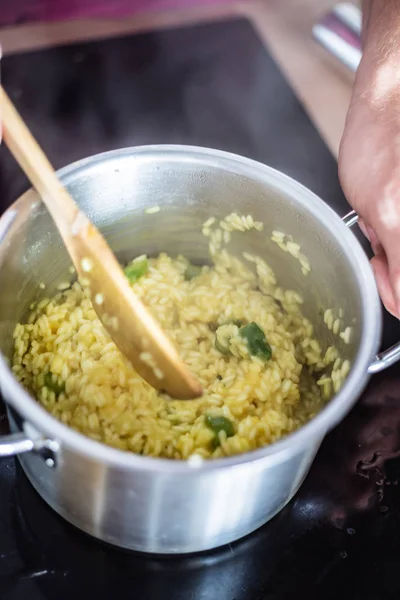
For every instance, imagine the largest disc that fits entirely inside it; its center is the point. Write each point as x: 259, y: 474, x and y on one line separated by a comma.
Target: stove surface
x: 211, y: 85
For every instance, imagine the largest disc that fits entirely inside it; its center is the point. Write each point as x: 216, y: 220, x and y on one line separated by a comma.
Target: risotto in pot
x: 263, y: 373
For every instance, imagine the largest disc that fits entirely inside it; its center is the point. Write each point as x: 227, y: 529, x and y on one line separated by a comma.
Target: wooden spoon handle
x: 130, y: 324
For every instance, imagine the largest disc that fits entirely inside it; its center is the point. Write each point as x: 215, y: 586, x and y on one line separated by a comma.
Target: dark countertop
x: 212, y: 85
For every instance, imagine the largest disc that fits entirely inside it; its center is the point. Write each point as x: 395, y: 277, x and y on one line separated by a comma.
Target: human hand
x: 369, y: 160
x: 369, y: 169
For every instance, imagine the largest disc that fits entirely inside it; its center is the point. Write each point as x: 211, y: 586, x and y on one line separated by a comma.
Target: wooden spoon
x: 130, y: 325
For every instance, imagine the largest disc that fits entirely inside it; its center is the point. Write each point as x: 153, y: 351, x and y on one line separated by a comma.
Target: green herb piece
x: 53, y: 385
x: 136, y: 269
x: 256, y: 341
x: 192, y: 271
x: 217, y: 424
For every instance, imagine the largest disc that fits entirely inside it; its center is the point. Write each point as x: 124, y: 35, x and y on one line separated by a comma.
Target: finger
x: 381, y: 271
x: 380, y: 267
x: 386, y: 224
x: 371, y: 236
x: 363, y: 226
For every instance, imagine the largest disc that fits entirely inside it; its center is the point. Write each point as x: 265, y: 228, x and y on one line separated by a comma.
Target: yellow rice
x: 101, y: 395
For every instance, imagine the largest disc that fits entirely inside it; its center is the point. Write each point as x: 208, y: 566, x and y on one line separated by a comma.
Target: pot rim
x: 314, y: 430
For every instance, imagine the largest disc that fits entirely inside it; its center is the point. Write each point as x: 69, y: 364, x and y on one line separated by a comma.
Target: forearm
x: 381, y: 26
x: 378, y: 77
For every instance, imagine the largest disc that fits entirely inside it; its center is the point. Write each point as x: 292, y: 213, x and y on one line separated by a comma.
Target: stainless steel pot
x: 158, y: 505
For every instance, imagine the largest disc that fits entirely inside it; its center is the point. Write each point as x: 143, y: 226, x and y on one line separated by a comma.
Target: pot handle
x: 29, y: 441
x: 15, y: 443
x: 389, y: 357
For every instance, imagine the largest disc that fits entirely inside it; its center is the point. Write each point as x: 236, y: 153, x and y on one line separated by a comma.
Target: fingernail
x: 364, y: 229
x: 374, y: 241
x: 397, y: 294
x: 371, y: 237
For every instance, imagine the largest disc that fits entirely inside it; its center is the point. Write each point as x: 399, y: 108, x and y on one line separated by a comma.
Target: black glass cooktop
x: 211, y: 85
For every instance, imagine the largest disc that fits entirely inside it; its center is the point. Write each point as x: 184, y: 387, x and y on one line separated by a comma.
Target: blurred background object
x: 23, y: 11
x: 340, y: 33
x: 284, y: 26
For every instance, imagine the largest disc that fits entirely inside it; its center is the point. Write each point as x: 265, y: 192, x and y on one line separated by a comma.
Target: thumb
x: 387, y: 262
x: 380, y: 267
x: 381, y: 271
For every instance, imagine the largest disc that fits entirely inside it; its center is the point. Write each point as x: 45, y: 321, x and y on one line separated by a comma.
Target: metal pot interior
x: 115, y: 189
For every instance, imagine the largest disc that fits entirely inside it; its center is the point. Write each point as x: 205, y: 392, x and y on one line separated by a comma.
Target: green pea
x: 224, y: 349
x: 52, y: 384
x: 192, y: 271
x: 223, y: 338
x: 136, y: 269
x: 217, y: 424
